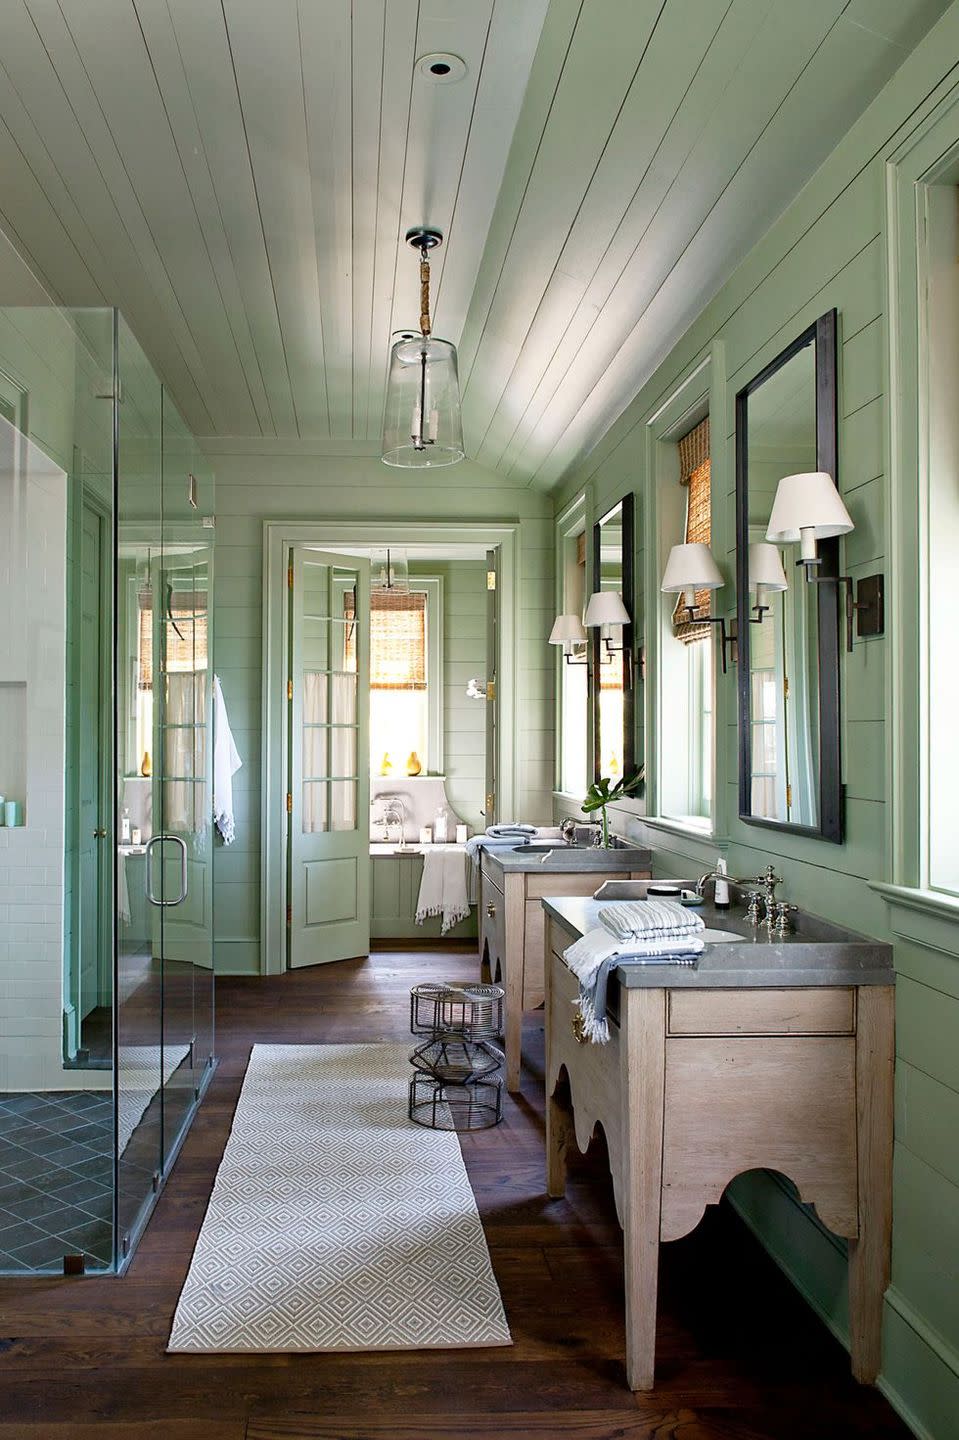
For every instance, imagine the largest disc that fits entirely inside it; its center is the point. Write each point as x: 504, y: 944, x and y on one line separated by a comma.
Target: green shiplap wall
x: 252, y: 488
x: 829, y: 249
x: 464, y: 655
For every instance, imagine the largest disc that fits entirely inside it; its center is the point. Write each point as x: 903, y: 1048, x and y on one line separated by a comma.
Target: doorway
x: 306, y: 919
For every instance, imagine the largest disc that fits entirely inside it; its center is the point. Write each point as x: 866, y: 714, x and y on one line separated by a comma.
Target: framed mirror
x: 788, y: 632
x: 612, y: 643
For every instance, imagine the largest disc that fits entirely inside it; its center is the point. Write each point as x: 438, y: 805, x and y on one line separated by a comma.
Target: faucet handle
x: 752, y: 907
x: 782, y: 925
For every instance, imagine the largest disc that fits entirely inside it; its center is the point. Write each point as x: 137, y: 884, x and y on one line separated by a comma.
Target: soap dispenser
x: 721, y: 898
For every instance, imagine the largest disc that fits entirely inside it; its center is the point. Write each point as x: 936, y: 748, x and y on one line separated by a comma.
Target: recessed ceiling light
x: 441, y: 69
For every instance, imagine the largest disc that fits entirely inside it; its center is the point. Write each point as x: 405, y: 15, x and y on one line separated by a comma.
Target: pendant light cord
x: 425, y: 326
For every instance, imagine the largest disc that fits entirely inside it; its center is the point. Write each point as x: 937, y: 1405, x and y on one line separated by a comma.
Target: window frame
x: 570, y: 525
x: 929, y: 157
x: 700, y: 390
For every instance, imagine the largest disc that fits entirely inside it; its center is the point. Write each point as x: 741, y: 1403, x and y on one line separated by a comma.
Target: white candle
x: 426, y: 835
x: 461, y: 834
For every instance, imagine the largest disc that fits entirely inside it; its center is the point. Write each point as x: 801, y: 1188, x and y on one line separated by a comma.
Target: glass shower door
x: 185, y: 794
x: 139, y: 602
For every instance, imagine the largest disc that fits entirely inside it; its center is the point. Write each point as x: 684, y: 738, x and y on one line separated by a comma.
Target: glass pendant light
x: 422, y: 425
x: 389, y: 571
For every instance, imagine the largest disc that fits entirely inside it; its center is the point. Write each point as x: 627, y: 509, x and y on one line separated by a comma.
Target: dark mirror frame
x: 626, y: 505
x: 830, y: 827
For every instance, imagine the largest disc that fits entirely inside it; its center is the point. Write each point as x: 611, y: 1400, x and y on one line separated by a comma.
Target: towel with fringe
x: 443, y: 886
x: 646, y: 932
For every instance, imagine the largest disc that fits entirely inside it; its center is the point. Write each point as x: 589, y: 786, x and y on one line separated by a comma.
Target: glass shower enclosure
x: 106, y: 845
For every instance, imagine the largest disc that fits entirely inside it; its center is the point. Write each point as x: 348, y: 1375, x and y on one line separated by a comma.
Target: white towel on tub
x: 443, y: 886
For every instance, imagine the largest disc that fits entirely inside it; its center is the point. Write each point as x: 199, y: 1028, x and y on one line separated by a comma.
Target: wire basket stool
x: 474, y: 1012
x: 456, y: 1082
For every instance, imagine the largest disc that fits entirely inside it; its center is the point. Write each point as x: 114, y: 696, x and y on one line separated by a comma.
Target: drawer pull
x: 491, y: 909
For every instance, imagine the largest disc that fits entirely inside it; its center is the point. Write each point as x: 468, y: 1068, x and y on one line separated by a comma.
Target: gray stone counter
x: 580, y: 858
x: 817, y: 954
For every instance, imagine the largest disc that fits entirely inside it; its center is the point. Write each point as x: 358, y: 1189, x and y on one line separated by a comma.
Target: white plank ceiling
x: 238, y: 175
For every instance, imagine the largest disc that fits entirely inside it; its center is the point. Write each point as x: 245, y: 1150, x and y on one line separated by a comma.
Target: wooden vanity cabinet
x: 697, y: 1086
x: 512, y: 933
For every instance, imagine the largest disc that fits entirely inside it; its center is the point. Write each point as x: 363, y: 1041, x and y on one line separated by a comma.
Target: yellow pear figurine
x: 386, y: 768
x: 146, y: 765
x: 413, y: 766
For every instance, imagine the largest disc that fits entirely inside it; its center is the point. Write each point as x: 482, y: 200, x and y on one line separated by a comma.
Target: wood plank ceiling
x: 238, y: 176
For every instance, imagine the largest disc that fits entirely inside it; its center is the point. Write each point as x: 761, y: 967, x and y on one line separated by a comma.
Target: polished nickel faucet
x: 767, y: 882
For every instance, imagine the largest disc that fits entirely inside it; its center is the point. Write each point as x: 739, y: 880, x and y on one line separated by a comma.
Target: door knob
x: 99, y: 834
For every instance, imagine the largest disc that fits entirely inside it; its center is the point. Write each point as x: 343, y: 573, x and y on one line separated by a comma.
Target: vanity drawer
x: 762, y: 1012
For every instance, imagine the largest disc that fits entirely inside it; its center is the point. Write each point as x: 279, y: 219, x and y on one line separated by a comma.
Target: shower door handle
x: 158, y: 840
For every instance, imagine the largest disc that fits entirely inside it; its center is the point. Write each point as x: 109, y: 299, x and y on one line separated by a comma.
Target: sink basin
x: 541, y: 848
x: 716, y: 937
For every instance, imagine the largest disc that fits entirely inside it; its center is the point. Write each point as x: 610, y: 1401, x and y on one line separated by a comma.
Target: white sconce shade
x: 567, y: 630
x: 691, y: 568
x: 606, y: 608
x: 422, y: 424
x: 766, y: 571
x: 807, y: 508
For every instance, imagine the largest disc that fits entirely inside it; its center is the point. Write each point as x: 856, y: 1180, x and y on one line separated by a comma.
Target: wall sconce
x: 569, y: 632
x: 766, y: 575
x: 809, y: 508
x: 606, y: 607
x: 691, y: 568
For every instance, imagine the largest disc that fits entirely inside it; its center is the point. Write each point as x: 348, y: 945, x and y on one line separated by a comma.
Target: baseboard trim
x: 930, y: 1337
x: 938, y: 1349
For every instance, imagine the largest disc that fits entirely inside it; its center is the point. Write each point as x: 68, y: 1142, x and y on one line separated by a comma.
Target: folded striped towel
x: 637, y: 919
x: 599, y: 951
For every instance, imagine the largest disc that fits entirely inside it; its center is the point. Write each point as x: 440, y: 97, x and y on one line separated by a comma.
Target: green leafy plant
x: 599, y: 795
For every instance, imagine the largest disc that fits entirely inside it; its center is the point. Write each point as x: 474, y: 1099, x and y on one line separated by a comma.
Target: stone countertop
x: 578, y: 858
x: 818, y: 953
x: 380, y: 850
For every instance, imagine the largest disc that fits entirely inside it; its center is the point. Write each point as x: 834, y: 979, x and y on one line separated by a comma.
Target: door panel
x: 328, y: 805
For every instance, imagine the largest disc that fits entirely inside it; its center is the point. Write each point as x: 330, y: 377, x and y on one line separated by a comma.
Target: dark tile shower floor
x: 56, y: 1179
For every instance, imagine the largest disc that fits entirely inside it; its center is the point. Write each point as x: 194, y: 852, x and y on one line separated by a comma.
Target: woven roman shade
x: 185, y: 640
x: 397, y: 640
x: 694, y: 474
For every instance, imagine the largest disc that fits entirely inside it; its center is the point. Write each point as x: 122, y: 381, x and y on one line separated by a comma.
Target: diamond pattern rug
x: 335, y: 1223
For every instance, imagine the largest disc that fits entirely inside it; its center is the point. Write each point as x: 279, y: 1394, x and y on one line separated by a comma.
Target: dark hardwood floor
x: 740, y: 1355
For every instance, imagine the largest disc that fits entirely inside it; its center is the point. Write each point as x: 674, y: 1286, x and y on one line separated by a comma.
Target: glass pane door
x: 139, y: 601
x: 328, y: 806
x: 184, y: 748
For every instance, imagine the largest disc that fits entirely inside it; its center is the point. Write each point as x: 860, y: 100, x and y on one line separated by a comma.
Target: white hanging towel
x: 226, y: 762
x: 443, y: 886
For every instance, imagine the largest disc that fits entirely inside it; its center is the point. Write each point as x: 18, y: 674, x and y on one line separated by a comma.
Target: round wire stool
x: 456, y: 1082
x: 456, y: 1061
x: 444, y: 1105
x: 474, y: 1012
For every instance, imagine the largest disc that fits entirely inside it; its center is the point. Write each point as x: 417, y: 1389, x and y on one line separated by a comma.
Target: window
x: 573, y: 694
x: 400, y: 680
x: 686, y: 679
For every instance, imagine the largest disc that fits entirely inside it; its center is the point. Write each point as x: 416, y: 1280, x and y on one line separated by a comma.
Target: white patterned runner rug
x: 336, y: 1223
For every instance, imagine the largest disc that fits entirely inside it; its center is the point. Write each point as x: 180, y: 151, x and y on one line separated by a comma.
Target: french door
x: 328, y: 794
